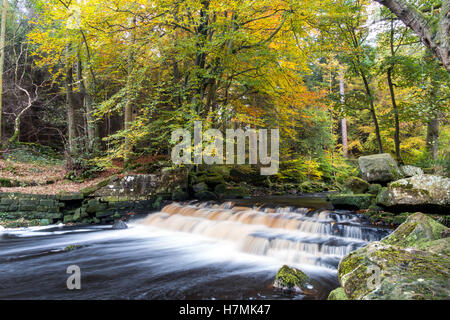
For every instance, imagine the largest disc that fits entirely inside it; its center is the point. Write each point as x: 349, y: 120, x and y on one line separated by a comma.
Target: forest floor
x: 32, y: 178
x: 36, y: 169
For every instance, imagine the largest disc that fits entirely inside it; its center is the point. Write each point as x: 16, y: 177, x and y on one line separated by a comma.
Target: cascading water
x: 186, y: 251
x: 291, y: 235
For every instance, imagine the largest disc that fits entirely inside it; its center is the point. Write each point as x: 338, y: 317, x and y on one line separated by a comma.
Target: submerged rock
x: 338, y: 294
x: 379, y: 168
x: 411, y: 171
x: 411, y: 263
x: 427, y: 193
x: 291, y: 279
x: 356, y: 185
x: 119, y: 225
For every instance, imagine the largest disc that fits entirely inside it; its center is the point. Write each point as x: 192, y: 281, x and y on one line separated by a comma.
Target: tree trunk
x: 433, y: 35
x: 433, y: 137
x: 2, y: 60
x: 396, y: 115
x: 87, y: 103
x: 344, y: 120
x: 392, y: 93
x: 128, y: 109
x: 372, y: 111
x: 70, y: 103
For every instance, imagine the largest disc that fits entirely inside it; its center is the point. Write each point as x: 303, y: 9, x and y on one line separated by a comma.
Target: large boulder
x: 411, y: 263
x: 379, y: 168
x: 411, y: 171
x: 426, y: 193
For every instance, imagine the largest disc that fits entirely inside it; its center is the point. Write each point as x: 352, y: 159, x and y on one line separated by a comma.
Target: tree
x: 2, y: 58
x: 433, y: 29
x: 348, y: 30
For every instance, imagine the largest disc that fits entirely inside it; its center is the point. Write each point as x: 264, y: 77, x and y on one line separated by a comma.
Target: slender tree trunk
x: 372, y: 111
x: 433, y: 137
x: 392, y: 92
x: 128, y: 109
x: 344, y: 120
x: 87, y: 103
x: 70, y: 103
x: 2, y: 60
x: 396, y: 115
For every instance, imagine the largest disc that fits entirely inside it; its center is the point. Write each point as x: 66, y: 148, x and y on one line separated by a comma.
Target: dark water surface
x: 189, y: 251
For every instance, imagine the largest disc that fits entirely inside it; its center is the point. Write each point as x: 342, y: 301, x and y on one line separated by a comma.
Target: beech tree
x: 431, y: 24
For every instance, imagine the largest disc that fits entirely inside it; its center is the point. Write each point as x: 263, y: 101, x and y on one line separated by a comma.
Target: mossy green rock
x: 426, y: 193
x: 374, y: 189
x: 411, y: 263
x: 351, y: 201
x: 356, y: 185
x: 179, y: 195
x: 338, y: 294
x: 379, y: 168
x: 224, y: 192
x: 291, y: 279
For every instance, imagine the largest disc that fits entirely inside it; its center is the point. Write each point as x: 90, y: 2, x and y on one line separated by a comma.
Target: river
x: 187, y: 251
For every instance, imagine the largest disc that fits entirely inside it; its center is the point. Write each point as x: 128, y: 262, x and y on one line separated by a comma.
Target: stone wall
x: 110, y: 200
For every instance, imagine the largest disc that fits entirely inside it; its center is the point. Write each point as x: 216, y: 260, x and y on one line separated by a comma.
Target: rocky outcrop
x: 291, y: 279
x: 379, y: 168
x: 427, y: 193
x: 145, y: 185
x: 411, y: 263
x: 411, y: 171
x: 111, y: 199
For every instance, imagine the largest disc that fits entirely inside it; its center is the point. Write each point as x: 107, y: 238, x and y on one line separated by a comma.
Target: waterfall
x: 288, y: 234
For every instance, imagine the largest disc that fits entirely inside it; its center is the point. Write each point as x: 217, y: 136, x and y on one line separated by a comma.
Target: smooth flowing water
x: 186, y: 251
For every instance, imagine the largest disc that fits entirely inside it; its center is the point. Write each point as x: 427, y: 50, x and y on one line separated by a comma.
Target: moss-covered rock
x: 356, y: 185
x: 411, y: 263
x: 90, y: 190
x: 338, y: 294
x: 379, y: 168
x: 225, y: 192
x: 411, y: 171
x: 179, y: 195
x: 426, y: 193
x: 351, y: 201
x: 374, y: 189
x: 415, y: 231
x: 291, y: 279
